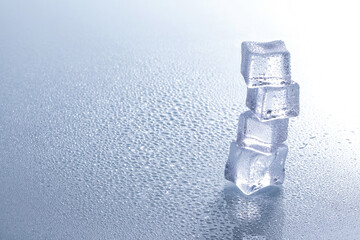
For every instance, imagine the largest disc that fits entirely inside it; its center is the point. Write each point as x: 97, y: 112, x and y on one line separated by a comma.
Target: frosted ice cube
x: 274, y: 102
x: 265, y: 64
x: 261, y: 135
x: 252, y: 171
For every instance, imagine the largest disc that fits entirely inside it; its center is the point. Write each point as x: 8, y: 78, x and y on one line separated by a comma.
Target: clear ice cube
x: 252, y: 171
x: 274, y: 102
x: 259, y: 135
x: 265, y: 64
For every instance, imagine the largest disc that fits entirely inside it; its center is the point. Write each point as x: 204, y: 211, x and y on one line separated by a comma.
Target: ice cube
x: 274, y: 102
x: 265, y: 64
x: 259, y: 135
x: 252, y: 171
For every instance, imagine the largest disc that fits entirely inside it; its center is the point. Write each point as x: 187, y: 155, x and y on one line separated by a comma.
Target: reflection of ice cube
x: 261, y: 135
x: 274, y: 102
x: 265, y: 64
x: 252, y: 171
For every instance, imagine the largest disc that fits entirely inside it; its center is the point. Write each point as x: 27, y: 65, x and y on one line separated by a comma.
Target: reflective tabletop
x: 116, y: 120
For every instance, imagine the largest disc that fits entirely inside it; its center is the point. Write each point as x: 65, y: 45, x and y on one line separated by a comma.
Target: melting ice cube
x: 252, y: 171
x: 265, y: 64
x: 274, y: 102
x: 261, y: 135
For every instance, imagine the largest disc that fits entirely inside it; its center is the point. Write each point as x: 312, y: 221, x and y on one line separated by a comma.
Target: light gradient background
x: 116, y: 120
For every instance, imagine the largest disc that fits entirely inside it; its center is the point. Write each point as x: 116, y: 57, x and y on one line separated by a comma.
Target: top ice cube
x: 265, y: 64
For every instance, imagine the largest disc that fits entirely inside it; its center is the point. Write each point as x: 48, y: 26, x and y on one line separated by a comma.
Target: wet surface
x: 115, y: 123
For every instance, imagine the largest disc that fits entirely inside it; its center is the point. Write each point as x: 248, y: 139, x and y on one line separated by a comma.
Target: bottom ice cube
x: 252, y: 171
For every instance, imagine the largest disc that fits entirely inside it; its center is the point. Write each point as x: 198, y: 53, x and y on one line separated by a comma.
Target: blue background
x: 116, y: 120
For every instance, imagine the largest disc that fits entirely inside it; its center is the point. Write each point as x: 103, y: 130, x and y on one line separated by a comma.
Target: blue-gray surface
x: 116, y: 119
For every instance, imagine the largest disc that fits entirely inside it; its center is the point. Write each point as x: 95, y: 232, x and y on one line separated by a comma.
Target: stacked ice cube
x: 257, y: 158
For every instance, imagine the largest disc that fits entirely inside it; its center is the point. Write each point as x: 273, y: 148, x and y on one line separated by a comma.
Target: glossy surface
x: 115, y: 121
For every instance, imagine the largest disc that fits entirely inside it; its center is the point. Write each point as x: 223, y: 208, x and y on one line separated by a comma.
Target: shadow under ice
x: 237, y: 216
